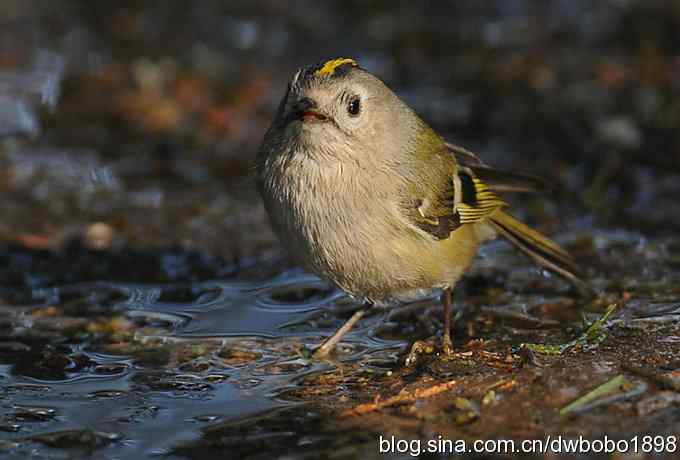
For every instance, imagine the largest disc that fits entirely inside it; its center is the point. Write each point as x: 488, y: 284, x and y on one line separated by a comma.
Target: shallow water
x: 203, y: 354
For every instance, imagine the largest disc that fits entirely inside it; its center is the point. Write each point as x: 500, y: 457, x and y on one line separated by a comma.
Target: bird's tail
x: 541, y: 249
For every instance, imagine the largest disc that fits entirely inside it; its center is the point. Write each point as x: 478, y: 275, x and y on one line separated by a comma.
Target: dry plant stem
x: 324, y: 350
x: 402, y: 398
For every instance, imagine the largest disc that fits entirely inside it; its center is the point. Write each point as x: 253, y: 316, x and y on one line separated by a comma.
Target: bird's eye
x: 354, y: 106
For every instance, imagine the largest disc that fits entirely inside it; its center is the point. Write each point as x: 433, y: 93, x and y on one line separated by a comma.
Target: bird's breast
x: 329, y: 214
x: 319, y: 208
x: 345, y: 226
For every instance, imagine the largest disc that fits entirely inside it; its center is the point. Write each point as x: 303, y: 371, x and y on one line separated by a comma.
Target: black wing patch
x: 467, y: 188
x: 444, y: 214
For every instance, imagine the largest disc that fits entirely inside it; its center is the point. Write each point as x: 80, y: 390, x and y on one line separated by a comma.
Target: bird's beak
x: 306, y: 110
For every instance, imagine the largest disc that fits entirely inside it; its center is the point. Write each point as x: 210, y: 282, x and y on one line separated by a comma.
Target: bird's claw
x: 420, y: 348
x: 417, y: 349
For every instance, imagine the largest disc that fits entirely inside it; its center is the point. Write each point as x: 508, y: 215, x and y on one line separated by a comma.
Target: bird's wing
x: 477, y: 200
x: 497, y: 180
x: 463, y: 199
x: 470, y: 196
x: 463, y: 156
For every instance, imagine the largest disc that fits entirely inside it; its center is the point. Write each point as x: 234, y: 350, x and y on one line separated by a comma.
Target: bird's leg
x: 324, y: 350
x: 447, y: 345
x: 421, y: 348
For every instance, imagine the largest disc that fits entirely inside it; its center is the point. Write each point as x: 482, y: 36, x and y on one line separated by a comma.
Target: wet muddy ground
x: 146, y: 309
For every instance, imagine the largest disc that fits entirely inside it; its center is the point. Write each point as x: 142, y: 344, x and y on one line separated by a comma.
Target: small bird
x: 369, y: 197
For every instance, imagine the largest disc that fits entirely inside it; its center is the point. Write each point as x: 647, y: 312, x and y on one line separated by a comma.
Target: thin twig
x: 402, y: 398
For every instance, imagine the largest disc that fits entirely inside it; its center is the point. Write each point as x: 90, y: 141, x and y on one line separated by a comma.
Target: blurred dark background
x: 135, y: 123
x: 127, y: 134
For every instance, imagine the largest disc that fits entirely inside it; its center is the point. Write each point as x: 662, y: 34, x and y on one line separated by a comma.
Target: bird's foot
x: 417, y: 349
x: 447, y: 347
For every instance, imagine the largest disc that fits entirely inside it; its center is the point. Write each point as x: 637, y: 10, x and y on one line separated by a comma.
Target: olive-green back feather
x: 472, y: 197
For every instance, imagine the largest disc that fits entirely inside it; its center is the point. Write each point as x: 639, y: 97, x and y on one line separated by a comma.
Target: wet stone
x: 207, y: 418
x: 47, y: 365
x: 27, y: 388
x: 153, y: 356
x: 10, y: 427
x: 238, y: 357
x: 33, y: 414
x: 197, y: 365
x: 215, y: 378
x: 77, y: 439
x: 284, y: 367
x: 107, y: 394
x: 111, y: 368
x: 9, y: 445
x: 175, y: 383
x: 139, y: 414
x: 249, y: 384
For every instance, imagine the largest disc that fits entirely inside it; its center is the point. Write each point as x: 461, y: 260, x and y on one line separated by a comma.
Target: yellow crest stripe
x: 330, y: 66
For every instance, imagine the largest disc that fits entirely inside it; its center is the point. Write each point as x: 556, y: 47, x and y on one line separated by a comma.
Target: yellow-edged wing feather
x: 479, y: 203
x: 544, y: 251
x: 470, y: 200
